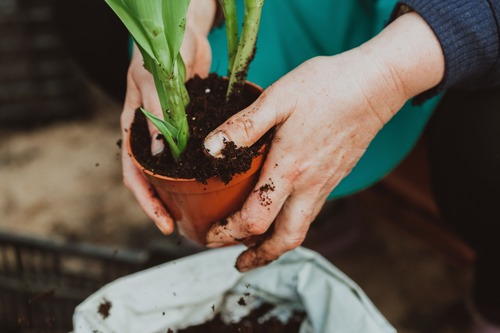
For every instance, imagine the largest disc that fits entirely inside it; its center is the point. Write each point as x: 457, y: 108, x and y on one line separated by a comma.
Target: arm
x: 322, y: 132
x: 468, y: 31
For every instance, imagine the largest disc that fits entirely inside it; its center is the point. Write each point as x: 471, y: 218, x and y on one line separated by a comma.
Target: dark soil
x: 207, y: 110
x: 104, y: 308
x: 250, y: 324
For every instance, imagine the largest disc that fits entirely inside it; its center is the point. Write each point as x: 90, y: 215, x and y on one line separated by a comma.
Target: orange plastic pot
x: 196, y: 206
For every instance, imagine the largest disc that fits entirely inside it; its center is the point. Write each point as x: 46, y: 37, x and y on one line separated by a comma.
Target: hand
x: 141, y: 91
x: 326, y: 113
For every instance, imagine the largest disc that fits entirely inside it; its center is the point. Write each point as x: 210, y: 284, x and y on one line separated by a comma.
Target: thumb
x: 244, y: 128
x: 141, y: 91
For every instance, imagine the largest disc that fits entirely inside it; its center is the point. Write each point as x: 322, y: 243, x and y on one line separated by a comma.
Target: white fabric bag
x: 191, y: 290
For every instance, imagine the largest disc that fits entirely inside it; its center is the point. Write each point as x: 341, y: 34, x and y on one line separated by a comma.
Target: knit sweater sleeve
x: 469, y: 34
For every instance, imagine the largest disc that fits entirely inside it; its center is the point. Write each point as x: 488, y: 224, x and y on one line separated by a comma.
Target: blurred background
x: 68, y: 225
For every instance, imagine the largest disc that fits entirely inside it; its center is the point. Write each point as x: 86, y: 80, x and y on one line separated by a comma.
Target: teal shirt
x: 293, y: 31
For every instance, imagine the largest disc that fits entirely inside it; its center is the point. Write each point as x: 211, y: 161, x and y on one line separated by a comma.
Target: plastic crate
x: 38, y: 80
x: 41, y: 281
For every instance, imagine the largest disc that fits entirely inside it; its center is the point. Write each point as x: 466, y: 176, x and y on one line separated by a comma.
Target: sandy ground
x: 63, y: 180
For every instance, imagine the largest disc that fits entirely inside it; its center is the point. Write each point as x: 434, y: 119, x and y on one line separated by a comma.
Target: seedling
x: 158, y: 27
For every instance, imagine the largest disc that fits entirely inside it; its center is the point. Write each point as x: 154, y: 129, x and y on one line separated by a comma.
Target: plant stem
x: 176, y: 112
x: 229, y: 9
x: 246, y: 46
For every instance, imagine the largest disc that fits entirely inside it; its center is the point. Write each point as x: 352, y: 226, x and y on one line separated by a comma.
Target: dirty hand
x: 326, y: 113
x: 141, y: 91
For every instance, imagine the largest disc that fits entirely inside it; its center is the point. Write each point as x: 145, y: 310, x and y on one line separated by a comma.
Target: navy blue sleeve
x: 469, y: 33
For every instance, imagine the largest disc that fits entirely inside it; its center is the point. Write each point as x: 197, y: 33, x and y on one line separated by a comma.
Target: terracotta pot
x: 196, y: 206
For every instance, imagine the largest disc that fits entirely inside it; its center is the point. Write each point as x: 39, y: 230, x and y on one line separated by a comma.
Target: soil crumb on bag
x: 104, y: 308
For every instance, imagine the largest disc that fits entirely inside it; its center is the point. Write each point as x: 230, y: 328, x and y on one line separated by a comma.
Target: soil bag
x: 194, y: 289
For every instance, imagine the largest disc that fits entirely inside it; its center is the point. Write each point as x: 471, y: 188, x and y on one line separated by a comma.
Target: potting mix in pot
x: 208, y: 108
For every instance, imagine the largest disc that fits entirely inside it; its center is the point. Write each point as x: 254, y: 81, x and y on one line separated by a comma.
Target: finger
x: 141, y: 92
x: 203, y: 58
x: 262, y: 205
x: 245, y: 127
x: 133, y: 177
x: 196, y: 54
x: 151, y: 103
x: 188, y: 52
x: 146, y: 196
x: 290, y: 229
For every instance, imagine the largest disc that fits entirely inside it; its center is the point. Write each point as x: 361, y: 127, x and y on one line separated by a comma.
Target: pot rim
x: 145, y: 170
x: 188, y: 180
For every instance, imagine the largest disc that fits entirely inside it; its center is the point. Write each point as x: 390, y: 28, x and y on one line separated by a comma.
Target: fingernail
x: 157, y: 147
x: 215, y: 143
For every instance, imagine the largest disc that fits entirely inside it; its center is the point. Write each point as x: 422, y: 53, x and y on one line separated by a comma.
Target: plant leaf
x: 131, y: 21
x: 174, y: 20
x: 154, y: 119
x: 158, y: 27
x: 183, y: 135
x: 229, y: 9
x: 168, y: 131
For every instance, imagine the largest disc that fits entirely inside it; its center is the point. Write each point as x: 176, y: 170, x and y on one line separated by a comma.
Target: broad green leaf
x: 151, y: 65
x: 131, y: 21
x: 174, y: 20
x: 144, y: 20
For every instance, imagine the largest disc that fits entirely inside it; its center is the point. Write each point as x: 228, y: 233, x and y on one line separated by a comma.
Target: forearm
x: 405, y: 60
x: 468, y: 31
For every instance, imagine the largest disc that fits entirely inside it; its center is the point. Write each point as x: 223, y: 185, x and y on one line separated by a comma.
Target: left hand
x: 141, y: 91
x: 326, y: 113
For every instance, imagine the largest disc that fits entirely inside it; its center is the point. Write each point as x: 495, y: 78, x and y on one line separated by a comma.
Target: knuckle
x: 294, y: 244
x: 255, y: 227
x: 247, y: 126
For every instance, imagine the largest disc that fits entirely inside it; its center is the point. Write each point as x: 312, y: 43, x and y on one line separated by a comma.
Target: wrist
x: 408, y: 56
x: 201, y: 15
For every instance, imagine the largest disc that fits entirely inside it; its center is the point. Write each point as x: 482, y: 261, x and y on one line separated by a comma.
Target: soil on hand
x: 207, y: 110
x: 252, y: 323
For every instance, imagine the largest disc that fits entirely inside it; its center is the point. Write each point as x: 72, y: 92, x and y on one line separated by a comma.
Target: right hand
x: 320, y: 133
x: 141, y: 91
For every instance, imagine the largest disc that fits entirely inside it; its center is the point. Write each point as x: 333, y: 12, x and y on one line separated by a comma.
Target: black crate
x: 38, y: 80
x: 42, y: 281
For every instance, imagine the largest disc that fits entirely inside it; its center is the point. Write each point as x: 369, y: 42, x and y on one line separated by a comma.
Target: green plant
x: 158, y: 27
x: 240, y: 50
